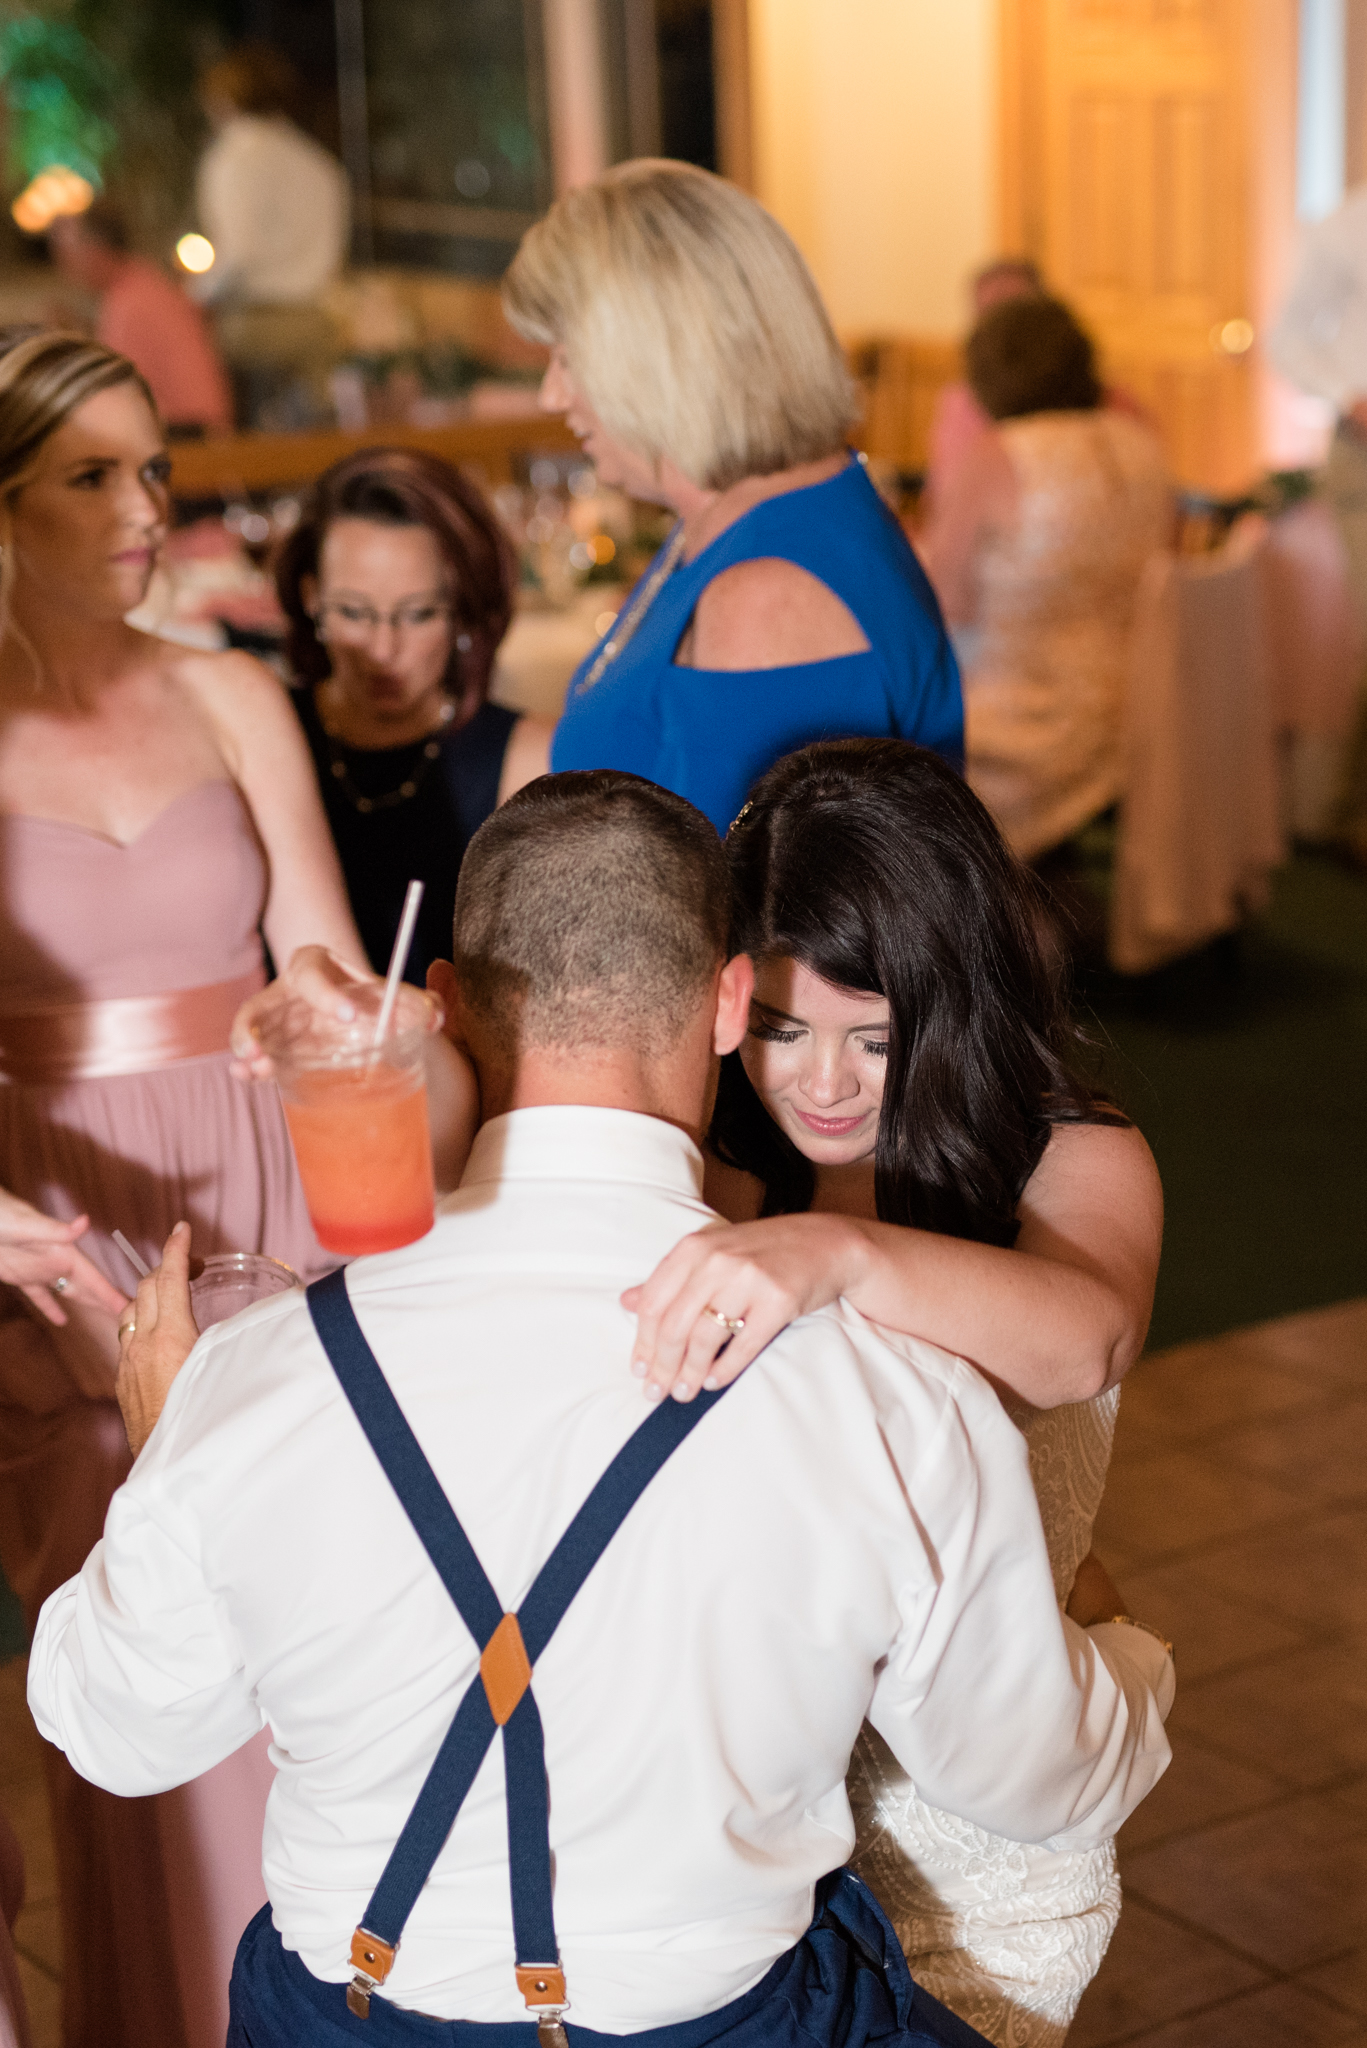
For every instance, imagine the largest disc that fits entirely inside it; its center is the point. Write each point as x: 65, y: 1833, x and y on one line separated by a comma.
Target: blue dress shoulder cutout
x: 709, y: 734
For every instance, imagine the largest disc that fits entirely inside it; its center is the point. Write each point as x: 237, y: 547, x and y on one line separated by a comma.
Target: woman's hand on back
x: 764, y: 1274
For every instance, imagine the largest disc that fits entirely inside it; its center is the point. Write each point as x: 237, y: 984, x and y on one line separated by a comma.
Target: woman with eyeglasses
x: 398, y: 585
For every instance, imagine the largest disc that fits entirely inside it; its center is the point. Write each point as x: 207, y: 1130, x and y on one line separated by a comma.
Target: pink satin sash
x: 62, y: 1042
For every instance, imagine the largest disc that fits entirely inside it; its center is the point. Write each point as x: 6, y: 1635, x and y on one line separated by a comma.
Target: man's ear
x: 734, y: 990
x: 442, y: 983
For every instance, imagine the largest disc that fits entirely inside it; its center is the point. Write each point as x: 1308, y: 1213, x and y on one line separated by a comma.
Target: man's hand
x: 156, y: 1339
x: 38, y: 1255
x: 1095, y: 1595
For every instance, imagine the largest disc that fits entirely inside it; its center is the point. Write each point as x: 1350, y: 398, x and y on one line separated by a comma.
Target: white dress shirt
x: 1319, y: 341
x: 277, y: 208
x: 852, y: 1531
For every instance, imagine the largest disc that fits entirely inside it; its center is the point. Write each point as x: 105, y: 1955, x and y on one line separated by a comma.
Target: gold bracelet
x: 1128, y: 1621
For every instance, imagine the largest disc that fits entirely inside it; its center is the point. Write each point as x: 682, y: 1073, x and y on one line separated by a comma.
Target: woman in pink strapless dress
x: 157, y: 810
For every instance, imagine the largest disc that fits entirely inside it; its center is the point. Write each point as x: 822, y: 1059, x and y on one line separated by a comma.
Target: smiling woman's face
x: 817, y: 1058
x: 86, y: 528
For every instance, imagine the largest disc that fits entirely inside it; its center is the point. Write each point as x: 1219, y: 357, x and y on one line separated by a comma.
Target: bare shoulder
x: 245, y: 704
x: 527, y: 755
x: 1108, y: 1164
x: 229, y: 678
x: 769, y: 613
x: 734, y: 1194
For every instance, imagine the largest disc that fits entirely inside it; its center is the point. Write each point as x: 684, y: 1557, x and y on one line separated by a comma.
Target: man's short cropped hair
x: 592, y: 911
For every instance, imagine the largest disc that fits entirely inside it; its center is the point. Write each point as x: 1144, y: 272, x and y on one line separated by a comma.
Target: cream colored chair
x: 1200, y: 824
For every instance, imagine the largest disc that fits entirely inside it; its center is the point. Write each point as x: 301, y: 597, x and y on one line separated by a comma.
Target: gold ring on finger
x: 735, y: 1324
x: 126, y: 1330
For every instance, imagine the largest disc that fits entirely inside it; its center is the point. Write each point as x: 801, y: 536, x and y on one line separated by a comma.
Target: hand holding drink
x: 355, y: 1099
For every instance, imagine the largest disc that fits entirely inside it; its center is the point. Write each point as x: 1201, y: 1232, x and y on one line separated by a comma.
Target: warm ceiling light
x: 1233, y: 337
x: 195, y: 253
x: 54, y: 192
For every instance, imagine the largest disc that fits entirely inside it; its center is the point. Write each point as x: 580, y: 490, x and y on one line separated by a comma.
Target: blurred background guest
x: 276, y: 207
x: 960, y: 420
x: 1036, y: 550
x: 1320, y: 343
x: 398, y: 585
x: 145, y: 316
x: 694, y: 359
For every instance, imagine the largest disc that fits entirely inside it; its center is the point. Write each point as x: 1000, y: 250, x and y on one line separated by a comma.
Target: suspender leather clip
x: 372, y: 1960
x: 543, y: 1990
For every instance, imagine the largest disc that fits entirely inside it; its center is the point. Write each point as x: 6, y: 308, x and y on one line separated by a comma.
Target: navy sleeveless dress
x: 708, y: 734
x: 386, y: 846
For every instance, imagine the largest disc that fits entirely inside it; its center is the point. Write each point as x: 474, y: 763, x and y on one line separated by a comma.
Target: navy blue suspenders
x: 510, y: 1644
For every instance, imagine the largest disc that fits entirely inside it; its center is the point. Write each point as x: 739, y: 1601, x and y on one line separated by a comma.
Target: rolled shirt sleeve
x: 999, y: 1708
x: 134, y: 1671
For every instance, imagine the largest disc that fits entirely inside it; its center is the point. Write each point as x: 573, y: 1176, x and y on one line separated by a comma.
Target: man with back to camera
x: 852, y: 1531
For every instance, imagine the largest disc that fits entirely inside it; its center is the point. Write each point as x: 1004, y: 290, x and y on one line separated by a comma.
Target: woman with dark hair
x: 398, y: 586
x: 906, y: 1125
x: 1035, y: 548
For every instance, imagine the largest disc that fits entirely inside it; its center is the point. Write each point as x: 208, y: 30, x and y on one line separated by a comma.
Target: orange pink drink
x: 357, y: 1116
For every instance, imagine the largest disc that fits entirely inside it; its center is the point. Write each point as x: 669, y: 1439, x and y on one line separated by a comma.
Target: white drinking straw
x: 398, y: 960
x: 140, y: 1266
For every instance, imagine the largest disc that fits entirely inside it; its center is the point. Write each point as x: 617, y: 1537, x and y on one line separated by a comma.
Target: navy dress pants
x: 845, y: 1985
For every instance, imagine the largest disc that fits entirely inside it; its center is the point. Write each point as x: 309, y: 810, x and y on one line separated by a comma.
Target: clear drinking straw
x: 398, y: 960
x: 139, y: 1265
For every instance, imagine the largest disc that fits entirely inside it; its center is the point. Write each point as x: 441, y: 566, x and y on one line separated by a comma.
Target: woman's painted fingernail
x: 681, y: 1390
x: 709, y: 1385
x: 651, y: 1391
x: 638, y: 1367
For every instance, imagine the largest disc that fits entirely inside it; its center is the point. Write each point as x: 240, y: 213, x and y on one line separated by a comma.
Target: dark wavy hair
x: 406, y: 487
x: 873, y: 864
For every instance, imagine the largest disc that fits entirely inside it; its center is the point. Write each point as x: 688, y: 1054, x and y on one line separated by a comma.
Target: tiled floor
x: 1236, y: 1518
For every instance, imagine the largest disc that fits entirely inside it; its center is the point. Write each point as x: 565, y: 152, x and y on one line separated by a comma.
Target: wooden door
x: 1148, y: 167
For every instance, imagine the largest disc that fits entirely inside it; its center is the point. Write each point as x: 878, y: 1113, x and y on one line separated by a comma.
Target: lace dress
x: 1007, y: 1934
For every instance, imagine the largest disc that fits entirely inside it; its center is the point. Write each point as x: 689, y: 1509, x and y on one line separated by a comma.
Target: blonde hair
x: 44, y: 377
x: 688, y: 320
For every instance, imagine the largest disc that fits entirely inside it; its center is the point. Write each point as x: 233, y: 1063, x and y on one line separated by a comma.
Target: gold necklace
x: 389, y: 799
x: 640, y: 604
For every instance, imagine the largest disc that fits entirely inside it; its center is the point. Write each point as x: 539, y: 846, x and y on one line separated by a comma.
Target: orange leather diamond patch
x: 504, y: 1669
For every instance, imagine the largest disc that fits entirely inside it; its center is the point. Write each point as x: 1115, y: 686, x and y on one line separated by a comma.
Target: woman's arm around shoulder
x: 264, y: 748
x: 1060, y: 1317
